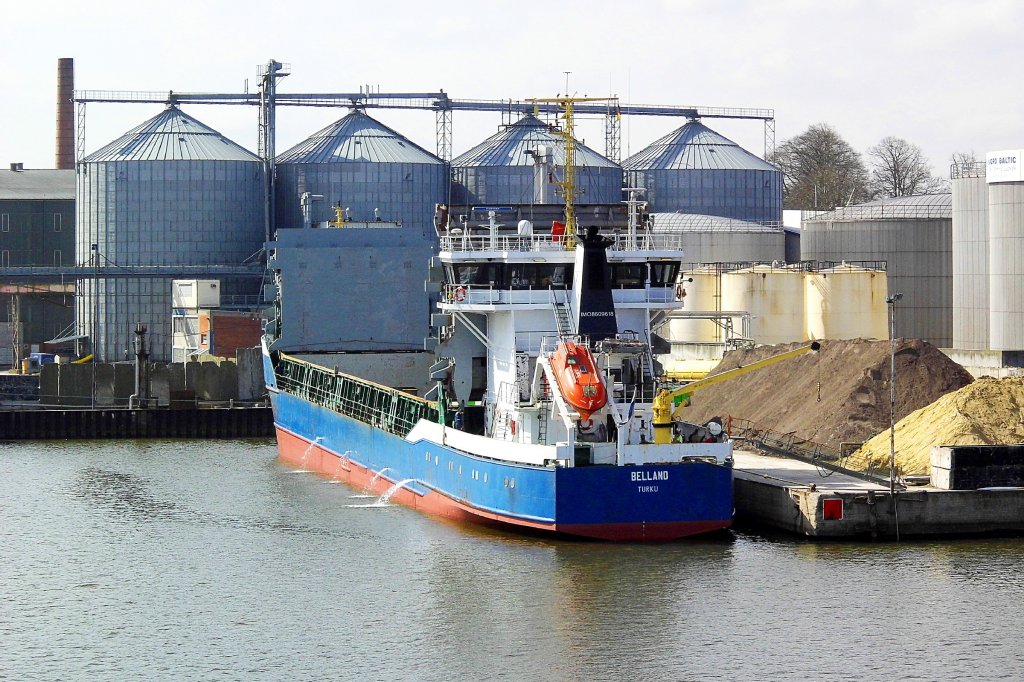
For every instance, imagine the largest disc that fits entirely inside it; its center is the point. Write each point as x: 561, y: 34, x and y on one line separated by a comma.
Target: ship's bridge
x: 484, y: 271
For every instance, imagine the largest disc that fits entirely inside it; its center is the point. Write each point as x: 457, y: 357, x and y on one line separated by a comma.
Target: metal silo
x: 366, y: 167
x: 970, y: 257
x: 696, y: 170
x: 713, y: 239
x: 774, y: 297
x: 500, y: 170
x: 1006, y: 257
x: 913, y: 235
x: 170, y: 192
x: 846, y: 302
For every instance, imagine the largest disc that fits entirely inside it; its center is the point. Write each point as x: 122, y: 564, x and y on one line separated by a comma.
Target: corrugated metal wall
x: 754, y: 195
x: 920, y: 266
x: 970, y: 263
x: 733, y: 247
x: 404, y: 192
x: 1006, y: 265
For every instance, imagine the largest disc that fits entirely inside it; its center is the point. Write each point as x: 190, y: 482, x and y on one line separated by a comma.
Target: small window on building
x: 56, y: 222
x: 57, y: 257
x: 5, y: 258
x: 5, y: 222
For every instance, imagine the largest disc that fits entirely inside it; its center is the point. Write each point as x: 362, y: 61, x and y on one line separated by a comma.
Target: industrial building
x: 37, y: 219
x: 913, y: 237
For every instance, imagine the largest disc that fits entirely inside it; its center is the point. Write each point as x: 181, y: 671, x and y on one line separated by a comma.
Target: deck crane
x: 669, y: 402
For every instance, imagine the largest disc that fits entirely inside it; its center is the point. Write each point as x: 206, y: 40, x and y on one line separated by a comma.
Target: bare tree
x: 899, y: 169
x: 821, y: 170
x: 966, y: 164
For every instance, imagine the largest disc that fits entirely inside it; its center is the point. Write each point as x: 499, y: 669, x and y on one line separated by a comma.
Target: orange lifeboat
x: 578, y: 378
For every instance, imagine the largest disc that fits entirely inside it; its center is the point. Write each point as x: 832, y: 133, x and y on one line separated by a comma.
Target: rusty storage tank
x: 703, y: 294
x: 846, y: 302
x: 774, y: 297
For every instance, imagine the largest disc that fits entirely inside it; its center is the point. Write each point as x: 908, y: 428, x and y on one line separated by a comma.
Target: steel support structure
x: 769, y: 140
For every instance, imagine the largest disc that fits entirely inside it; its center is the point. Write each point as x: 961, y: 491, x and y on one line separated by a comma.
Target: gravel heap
x: 837, y: 395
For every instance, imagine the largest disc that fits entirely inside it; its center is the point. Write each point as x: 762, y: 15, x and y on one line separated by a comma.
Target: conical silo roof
x: 357, y: 138
x: 695, y: 147
x: 172, y: 135
x: 508, y: 147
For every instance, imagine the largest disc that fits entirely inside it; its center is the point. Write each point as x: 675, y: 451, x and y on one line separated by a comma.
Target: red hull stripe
x: 298, y: 451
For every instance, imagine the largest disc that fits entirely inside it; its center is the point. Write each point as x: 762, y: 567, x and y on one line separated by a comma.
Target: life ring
x: 680, y: 292
x: 460, y: 294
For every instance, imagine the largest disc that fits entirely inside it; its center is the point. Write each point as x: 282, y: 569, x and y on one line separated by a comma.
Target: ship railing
x: 484, y: 240
x: 491, y: 294
x: 534, y: 343
x: 387, y: 408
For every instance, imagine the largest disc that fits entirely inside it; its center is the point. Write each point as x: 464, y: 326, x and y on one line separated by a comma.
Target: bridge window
x: 628, y: 275
x: 664, y: 274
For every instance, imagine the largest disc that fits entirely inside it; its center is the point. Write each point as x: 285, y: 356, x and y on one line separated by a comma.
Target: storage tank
x: 774, y: 297
x: 846, y: 302
x: 970, y: 256
x: 913, y: 237
x: 702, y: 294
x: 1006, y: 263
x: 367, y: 167
x: 500, y: 171
x: 170, y: 192
x: 713, y: 239
x: 696, y: 170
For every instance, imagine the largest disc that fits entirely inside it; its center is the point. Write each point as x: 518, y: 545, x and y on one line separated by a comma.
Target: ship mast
x: 568, y: 182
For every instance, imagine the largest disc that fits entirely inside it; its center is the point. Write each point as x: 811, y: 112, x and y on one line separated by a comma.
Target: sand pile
x: 852, y: 403
x: 987, y: 412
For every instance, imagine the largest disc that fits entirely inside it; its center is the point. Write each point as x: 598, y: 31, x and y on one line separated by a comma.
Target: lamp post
x: 891, y: 300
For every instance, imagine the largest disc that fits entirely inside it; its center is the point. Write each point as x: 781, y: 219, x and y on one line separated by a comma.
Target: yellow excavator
x: 670, y: 402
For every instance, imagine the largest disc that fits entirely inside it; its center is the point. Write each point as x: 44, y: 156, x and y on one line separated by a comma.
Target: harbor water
x: 195, y: 560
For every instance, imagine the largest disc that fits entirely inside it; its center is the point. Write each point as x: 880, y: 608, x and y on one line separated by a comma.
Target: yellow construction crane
x: 670, y: 402
x: 568, y: 182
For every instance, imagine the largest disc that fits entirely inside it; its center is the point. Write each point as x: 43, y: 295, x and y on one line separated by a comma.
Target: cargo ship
x: 569, y: 429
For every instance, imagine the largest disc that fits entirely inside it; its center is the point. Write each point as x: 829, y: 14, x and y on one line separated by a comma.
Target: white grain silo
x: 970, y: 256
x: 1005, y: 178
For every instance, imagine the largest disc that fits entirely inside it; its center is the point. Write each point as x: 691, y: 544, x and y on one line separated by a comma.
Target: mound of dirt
x: 838, y: 395
x: 987, y: 412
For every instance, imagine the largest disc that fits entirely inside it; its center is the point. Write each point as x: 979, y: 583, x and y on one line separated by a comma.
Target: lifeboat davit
x: 578, y: 378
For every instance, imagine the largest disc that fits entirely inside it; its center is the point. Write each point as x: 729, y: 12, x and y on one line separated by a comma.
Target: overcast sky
x: 942, y: 74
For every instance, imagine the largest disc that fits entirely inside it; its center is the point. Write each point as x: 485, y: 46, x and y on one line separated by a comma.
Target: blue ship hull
x: 628, y: 503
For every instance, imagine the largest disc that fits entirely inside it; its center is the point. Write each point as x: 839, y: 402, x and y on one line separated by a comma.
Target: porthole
x: 485, y: 477
x: 512, y: 483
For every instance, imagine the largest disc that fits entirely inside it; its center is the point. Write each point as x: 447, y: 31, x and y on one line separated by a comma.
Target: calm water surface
x: 194, y: 560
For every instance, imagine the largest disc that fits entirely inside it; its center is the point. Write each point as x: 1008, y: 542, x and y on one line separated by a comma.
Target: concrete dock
x: 801, y: 498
